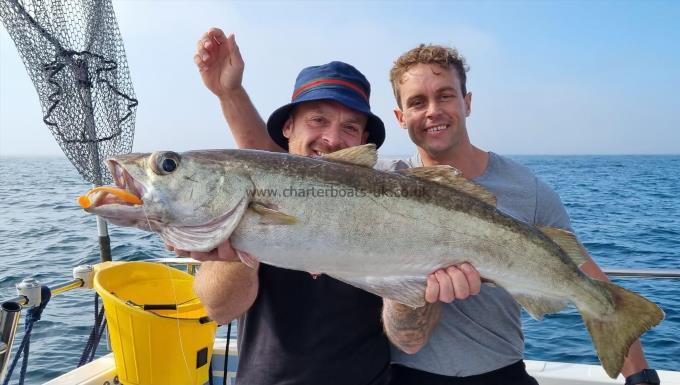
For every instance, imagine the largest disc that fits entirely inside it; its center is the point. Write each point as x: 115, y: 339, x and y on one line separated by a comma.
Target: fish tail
x: 613, y: 333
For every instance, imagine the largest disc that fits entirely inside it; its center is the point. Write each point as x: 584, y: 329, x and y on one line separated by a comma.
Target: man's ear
x: 468, y: 104
x: 399, y: 114
x: 288, y: 127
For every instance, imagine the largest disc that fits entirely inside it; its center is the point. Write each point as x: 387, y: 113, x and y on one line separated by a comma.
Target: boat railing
x: 190, y: 264
x: 10, y: 310
x: 642, y: 273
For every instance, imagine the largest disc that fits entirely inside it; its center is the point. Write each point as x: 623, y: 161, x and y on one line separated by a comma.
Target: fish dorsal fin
x: 364, y: 155
x: 272, y: 216
x: 439, y: 173
x: 567, y: 242
x: 451, y: 177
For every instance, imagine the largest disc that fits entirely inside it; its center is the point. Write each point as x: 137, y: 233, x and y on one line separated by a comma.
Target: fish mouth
x: 125, y: 181
x: 122, y: 203
x: 126, y: 191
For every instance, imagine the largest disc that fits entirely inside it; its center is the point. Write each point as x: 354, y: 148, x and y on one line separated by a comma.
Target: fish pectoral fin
x: 409, y: 291
x: 272, y: 216
x: 567, y: 241
x: 537, y: 306
x: 364, y: 155
x: 450, y: 177
x: 613, y: 333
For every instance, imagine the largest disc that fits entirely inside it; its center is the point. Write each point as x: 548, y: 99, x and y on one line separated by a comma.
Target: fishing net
x: 74, y: 55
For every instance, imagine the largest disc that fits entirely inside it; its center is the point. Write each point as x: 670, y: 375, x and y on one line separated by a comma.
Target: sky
x: 547, y: 77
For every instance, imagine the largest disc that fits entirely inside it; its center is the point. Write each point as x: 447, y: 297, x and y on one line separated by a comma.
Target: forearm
x: 227, y: 289
x: 407, y: 328
x: 246, y: 125
x: 635, y: 360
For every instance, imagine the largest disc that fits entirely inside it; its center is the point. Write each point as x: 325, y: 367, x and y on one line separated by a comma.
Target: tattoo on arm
x: 407, y: 328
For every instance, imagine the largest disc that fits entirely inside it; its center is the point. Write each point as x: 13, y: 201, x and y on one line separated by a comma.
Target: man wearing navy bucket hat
x: 337, y: 83
x: 294, y: 327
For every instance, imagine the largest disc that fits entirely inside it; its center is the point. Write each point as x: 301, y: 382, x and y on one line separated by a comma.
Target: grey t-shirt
x: 484, y: 332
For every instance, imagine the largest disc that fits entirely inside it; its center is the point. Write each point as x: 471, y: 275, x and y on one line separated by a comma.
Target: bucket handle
x: 169, y: 306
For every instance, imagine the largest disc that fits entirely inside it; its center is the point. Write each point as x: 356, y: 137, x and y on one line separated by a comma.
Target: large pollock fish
x: 337, y: 215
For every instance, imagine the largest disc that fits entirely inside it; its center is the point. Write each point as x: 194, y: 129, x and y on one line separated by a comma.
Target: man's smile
x: 437, y: 128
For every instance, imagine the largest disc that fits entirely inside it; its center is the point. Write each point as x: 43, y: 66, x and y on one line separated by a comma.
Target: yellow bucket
x: 159, y: 331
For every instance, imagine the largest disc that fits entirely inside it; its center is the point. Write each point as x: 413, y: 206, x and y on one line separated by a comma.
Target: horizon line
x: 392, y: 156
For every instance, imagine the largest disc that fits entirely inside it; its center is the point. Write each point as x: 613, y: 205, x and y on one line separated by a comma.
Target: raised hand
x: 219, y: 61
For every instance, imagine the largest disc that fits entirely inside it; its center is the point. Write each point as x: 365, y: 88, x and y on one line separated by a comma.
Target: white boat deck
x: 103, y: 369
x: 561, y: 373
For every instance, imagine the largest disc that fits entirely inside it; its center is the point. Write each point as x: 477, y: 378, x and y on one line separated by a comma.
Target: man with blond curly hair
x: 479, y: 340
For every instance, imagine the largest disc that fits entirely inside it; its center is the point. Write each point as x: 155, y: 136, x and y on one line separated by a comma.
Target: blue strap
x: 95, y: 334
x: 32, y: 316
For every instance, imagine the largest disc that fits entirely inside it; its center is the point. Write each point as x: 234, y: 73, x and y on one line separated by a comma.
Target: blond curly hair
x: 445, y: 57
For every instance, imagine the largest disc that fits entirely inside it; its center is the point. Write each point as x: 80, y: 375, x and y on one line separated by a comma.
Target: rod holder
x: 10, y: 313
x: 86, y: 274
x: 30, y: 288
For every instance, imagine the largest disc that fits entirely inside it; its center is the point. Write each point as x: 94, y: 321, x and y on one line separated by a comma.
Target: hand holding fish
x: 219, y: 61
x: 452, y: 283
x: 224, y: 252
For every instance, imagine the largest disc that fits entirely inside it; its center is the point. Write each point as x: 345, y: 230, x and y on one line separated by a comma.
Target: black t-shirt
x: 302, y: 330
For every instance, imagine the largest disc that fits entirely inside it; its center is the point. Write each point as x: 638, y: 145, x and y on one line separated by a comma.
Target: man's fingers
x: 432, y: 289
x: 473, y: 278
x: 247, y: 259
x: 219, y: 253
x: 446, y: 288
x: 209, y: 44
x: 204, y: 55
x: 202, y: 256
x: 216, y: 34
x: 454, y: 282
x: 234, y: 52
x: 223, y: 252
x: 200, y: 42
x: 213, y: 34
x: 226, y: 252
x: 178, y: 252
x: 460, y: 284
x: 199, y: 63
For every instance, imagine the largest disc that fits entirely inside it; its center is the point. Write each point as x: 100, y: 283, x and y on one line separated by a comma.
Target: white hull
x: 547, y: 373
x: 561, y: 373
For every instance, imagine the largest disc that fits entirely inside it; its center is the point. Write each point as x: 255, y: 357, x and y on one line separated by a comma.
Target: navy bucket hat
x: 336, y: 81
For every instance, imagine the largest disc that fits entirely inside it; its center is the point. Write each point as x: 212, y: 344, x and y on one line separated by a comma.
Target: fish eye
x: 163, y: 163
x: 169, y: 165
